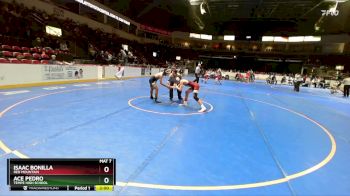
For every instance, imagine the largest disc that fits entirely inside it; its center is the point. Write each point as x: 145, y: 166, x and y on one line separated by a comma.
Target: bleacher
x: 23, y: 54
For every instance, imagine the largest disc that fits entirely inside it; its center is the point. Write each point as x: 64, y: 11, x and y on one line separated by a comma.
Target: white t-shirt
x: 346, y: 81
x: 198, y: 70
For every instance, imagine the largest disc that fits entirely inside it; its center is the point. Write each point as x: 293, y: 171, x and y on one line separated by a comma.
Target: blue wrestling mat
x: 255, y: 139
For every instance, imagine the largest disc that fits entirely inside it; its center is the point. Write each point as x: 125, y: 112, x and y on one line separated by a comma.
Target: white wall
x: 17, y: 74
x: 155, y: 70
x: 31, y: 73
x: 132, y: 71
x: 111, y: 70
x: 11, y: 74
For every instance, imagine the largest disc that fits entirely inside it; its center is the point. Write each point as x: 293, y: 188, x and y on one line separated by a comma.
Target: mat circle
x: 131, y: 104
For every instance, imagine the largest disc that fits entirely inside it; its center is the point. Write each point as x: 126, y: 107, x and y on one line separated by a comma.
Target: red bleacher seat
x: 7, y: 53
x: 16, y: 48
x: 45, y: 56
x: 36, y: 56
x: 44, y: 62
x: 34, y: 50
x: 25, y: 49
x: 27, y: 61
x: 6, y: 47
x: 27, y: 55
x: 16, y: 54
x: 14, y: 60
x: 3, y: 60
x: 35, y: 62
x: 50, y: 51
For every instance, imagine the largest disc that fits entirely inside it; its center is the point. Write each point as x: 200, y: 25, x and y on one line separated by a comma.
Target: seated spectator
x: 53, y: 59
x: 63, y: 46
x: 37, y: 42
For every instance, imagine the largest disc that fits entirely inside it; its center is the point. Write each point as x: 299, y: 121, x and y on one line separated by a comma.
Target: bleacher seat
x: 36, y: 56
x: 35, y: 62
x: 27, y: 55
x: 50, y: 51
x: 16, y: 54
x: 14, y: 60
x: 25, y: 49
x: 16, y: 48
x: 6, y: 47
x: 27, y: 61
x: 44, y: 62
x: 33, y: 50
x: 3, y: 60
x: 45, y: 56
x: 7, y: 54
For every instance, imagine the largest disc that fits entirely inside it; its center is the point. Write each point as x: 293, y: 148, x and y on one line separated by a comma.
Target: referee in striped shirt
x: 197, y: 73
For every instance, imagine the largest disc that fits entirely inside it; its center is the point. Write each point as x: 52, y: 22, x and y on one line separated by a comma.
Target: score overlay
x: 61, y: 174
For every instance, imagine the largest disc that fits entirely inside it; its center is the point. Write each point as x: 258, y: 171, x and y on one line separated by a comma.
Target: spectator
x: 346, y: 83
x: 63, y: 46
x: 297, y: 82
x: 124, y: 57
x: 37, y: 42
x: 197, y: 73
x: 53, y: 59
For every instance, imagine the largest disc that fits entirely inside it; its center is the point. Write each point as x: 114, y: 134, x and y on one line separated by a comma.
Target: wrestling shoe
x: 202, y: 110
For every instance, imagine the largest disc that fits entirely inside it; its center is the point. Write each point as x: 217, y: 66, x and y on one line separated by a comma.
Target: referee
x: 197, y: 73
x: 346, y: 83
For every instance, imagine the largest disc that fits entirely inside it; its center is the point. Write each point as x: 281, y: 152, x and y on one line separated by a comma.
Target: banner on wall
x: 57, y: 72
x: 154, y: 30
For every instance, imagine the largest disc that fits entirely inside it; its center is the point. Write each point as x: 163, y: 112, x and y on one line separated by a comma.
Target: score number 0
x: 106, y: 170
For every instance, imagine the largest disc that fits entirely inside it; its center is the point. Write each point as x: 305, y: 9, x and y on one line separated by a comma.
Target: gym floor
x: 255, y: 139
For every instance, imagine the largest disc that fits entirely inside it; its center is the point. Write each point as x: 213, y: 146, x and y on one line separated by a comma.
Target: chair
x: 3, y: 60
x: 16, y: 54
x: 14, y: 60
x: 16, y: 48
x: 36, y: 56
x: 33, y: 50
x: 45, y: 56
x: 27, y: 55
x: 25, y: 49
x: 27, y: 61
x: 6, y: 47
x: 7, y: 54
x: 35, y: 62
x: 44, y: 62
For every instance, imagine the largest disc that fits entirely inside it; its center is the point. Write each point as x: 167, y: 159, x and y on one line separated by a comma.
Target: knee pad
x: 195, y: 96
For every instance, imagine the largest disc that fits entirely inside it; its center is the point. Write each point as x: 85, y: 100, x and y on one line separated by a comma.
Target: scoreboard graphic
x: 61, y: 174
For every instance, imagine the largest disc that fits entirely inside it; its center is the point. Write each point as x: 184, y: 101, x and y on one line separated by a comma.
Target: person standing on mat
x: 197, y: 72
x: 218, y: 76
x: 153, y: 84
x: 171, y: 82
x: 346, y: 83
x: 206, y: 76
x: 194, y: 87
x: 297, y: 82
